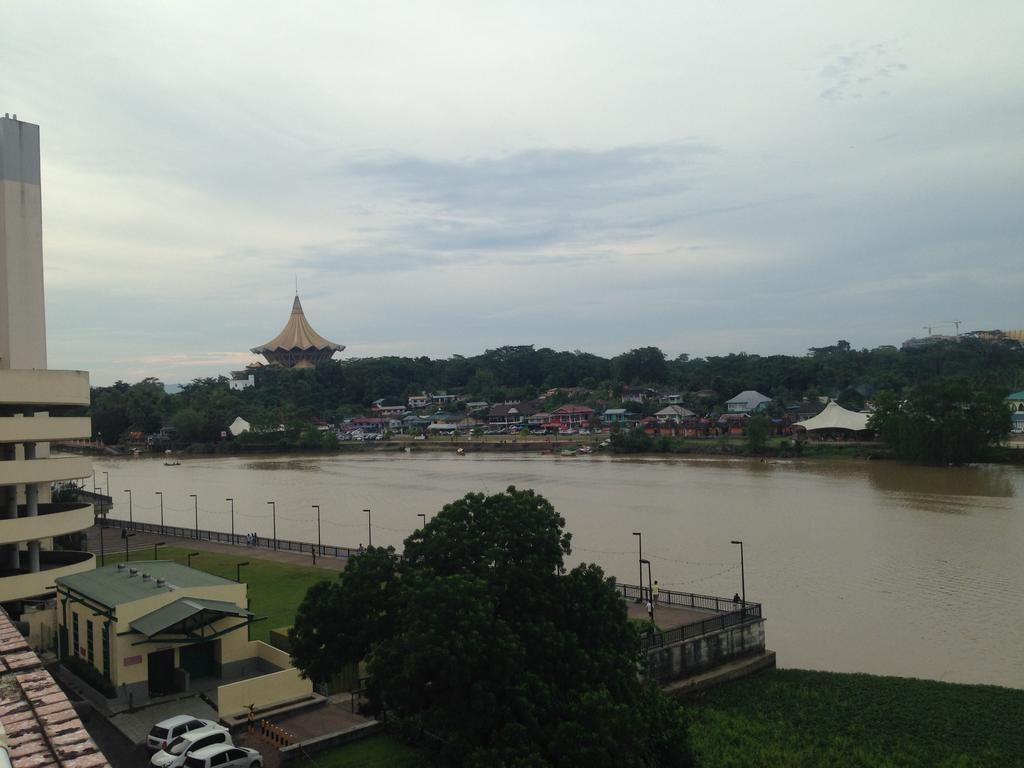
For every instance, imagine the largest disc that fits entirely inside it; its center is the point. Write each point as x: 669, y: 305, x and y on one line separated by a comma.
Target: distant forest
x: 339, y: 389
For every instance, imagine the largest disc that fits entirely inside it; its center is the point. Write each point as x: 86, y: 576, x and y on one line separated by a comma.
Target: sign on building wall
x: 132, y: 660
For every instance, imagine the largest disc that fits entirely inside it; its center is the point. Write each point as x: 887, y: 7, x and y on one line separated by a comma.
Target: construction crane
x: 955, y: 323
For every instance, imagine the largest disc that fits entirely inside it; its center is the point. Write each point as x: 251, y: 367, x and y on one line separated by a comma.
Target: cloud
x: 857, y: 71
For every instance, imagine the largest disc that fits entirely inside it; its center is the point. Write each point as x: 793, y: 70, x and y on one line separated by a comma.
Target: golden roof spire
x: 298, y: 345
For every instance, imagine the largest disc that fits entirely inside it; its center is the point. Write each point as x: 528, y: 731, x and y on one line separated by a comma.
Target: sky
x: 447, y: 177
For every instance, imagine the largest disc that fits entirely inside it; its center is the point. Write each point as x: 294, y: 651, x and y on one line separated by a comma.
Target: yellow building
x: 155, y: 627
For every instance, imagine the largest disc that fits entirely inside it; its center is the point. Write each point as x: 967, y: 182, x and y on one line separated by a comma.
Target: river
x: 862, y: 566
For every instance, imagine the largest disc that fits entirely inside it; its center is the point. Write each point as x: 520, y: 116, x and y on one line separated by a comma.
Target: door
x: 199, y: 659
x: 161, y: 672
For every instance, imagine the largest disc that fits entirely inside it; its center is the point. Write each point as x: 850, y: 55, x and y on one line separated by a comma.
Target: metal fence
x: 242, y: 539
x: 730, y: 614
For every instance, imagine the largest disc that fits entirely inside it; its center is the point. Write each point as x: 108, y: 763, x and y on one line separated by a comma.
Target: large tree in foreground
x: 945, y: 423
x: 480, y: 642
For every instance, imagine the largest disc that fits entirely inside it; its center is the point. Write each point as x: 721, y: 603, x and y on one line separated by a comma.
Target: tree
x: 479, y: 638
x: 948, y: 423
x: 757, y: 433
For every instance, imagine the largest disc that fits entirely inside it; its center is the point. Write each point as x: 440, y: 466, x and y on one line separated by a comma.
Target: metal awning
x: 189, y: 620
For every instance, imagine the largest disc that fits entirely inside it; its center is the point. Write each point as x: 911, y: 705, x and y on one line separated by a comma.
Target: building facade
x: 154, y: 627
x: 32, y: 398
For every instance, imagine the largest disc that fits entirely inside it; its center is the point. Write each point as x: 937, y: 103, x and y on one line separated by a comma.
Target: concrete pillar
x: 32, y: 510
x: 33, y: 556
x: 13, y: 555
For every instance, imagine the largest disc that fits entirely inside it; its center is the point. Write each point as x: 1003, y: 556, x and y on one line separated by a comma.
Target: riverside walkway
x: 673, y: 610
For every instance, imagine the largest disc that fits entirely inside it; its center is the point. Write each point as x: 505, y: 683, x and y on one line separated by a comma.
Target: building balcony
x: 56, y: 519
x: 43, y: 388
x: 49, y: 470
x: 43, y: 429
x: 20, y: 584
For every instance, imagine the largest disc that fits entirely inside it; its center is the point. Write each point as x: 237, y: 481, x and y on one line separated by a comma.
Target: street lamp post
x: 319, y: 543
x: 106, y: 477
x: 650, y: 588
x: 232, y: 519
x: 125, y: 535
x: 195, y: 499
x: 422, y: 516
x: 158, y: 544
x: 129, y: 492
x: 273, y: 512
x: 189, y: 557
x: 161, y: 495
x: 103, y: 555
x: 238, y: 571
x: 369, y: 528
x: 743, y: 579
x: 640, y: 555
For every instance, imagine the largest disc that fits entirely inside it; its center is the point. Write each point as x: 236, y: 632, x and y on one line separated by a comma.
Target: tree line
x: 337, y: 389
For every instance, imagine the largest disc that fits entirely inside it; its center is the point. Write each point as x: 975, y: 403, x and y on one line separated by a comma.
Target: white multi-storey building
x: 32, y: 398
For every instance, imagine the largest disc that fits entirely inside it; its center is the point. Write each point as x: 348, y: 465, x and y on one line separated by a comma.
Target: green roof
x: 185, y: 615
x: 112, y: 586
x: 1016, y: 396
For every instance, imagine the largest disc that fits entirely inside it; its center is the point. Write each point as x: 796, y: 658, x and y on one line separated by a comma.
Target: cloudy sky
x: 447, y: 177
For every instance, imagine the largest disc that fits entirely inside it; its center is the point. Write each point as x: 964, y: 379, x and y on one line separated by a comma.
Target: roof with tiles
x: 40, y: 728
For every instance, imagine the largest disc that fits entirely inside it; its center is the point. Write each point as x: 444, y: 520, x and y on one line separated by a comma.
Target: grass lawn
x: 800, y: 718
x: 379, y: 751
x: 275, y: 589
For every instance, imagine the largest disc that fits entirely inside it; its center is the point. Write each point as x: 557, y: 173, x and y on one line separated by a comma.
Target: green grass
x: 379, y: 751
x: 275, y: 589
x: 799, y: 718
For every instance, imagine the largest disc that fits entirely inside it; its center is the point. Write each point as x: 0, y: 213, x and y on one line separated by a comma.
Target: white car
x: 174, y: 754
x: 171, y: 728
x: 224, y: 757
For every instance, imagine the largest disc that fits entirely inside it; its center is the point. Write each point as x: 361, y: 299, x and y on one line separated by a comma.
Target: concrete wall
x: 33, y: 584
x: 265, y: 691
x: 698, y: 654
x: 22, y: 313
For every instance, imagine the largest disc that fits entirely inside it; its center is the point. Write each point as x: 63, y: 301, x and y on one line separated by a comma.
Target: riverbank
x: 790, y: 718
x: 777, y: 448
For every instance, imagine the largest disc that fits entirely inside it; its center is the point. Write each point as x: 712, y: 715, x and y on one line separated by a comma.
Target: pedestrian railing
x: 730, y: 613
x: 220, y: 537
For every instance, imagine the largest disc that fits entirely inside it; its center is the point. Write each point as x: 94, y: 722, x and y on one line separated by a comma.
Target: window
x: 88, y: 642
x: 106, y: 650
x: 219, y: 759
x: 74, y: 631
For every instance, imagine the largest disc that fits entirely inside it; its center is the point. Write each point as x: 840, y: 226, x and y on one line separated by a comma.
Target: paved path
x: 666, y: 616
x: 113, y: 543
x: 669, y: 616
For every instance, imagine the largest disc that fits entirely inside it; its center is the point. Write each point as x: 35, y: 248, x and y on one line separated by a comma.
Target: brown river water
x: 861, y: 566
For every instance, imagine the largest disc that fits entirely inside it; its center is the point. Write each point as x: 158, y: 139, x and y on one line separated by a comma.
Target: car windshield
x: 177, y: 746
x: 158, y: 732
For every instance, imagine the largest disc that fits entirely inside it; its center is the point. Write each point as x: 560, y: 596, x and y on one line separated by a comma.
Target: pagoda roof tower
x: 298, y: 345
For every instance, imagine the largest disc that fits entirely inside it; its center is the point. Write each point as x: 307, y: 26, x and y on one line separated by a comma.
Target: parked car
x: 174, y: 754
x: 224, y: 757
x: 168, y: 730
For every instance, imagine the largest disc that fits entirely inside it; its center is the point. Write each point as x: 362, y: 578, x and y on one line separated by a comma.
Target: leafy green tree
x: 189, y: 424
x: 757, y: 433
x: 479, y: 638
x: 947, y: 423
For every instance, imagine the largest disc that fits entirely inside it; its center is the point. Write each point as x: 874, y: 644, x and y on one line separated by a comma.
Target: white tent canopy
x: 836, y: 417
x: 238, y: 426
